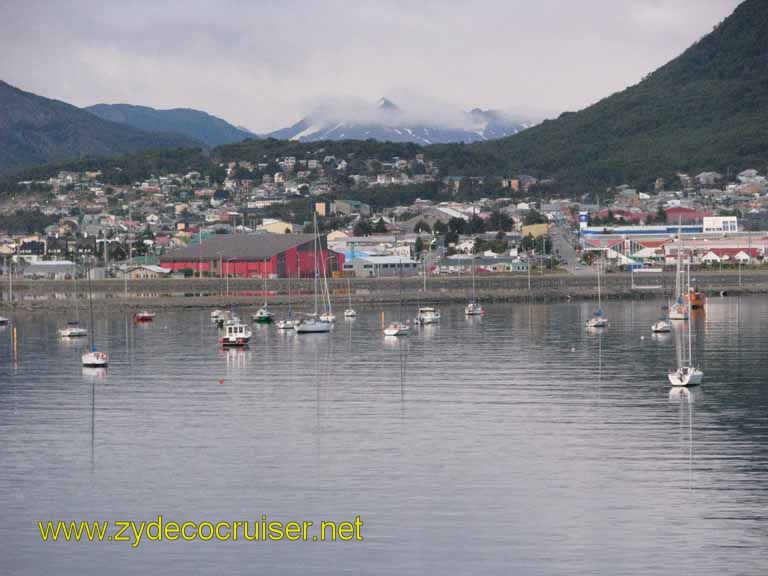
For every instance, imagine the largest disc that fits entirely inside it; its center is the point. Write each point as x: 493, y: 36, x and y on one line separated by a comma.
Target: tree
x: 418, y: 246
x: 476, y: 225
x: 440, y: 228
x: 534, y: 217
x: 451, y: 237
x: 362, y: 228
x: 422, y: 226
x: 380, y: 227
x: 457, y: 225
x: 500, y: 221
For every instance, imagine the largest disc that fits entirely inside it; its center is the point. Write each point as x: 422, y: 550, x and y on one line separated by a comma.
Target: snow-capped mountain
x: 385, y: 121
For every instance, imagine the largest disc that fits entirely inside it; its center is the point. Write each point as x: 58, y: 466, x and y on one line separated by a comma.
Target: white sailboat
x: 398, y: 328
x: 349, y: 312
x: 473, y: 308
x: 313, y: 324
x: 263, y: 315
x: 598, y: 320
x: 327, y: 315
x: 677, y: 309
x: 288, y: 323
x: 687, y: 374
x: 73, y: 329
x: 93, y: 358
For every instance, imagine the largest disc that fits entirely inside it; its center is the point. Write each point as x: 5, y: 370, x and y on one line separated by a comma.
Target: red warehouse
x: 246, y: 255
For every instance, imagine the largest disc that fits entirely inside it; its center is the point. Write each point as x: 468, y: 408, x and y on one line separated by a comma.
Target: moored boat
x: 73, y: 330
x: 427, y: 315
x: 397, y: 329
x: 235, y: 334
x: 145, y: 316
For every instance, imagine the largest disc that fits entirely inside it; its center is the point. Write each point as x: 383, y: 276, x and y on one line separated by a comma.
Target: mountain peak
x: 386, y: 104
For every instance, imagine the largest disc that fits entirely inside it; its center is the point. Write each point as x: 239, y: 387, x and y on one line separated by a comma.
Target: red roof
x: 731, y: 252
x: 685, y: 215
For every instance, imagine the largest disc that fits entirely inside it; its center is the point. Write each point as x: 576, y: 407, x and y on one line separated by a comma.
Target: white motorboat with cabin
x: 427, y: 315
x: 145, y: 316
x: 3, y: 321
x: 235, y: 334
x: 661, y: 326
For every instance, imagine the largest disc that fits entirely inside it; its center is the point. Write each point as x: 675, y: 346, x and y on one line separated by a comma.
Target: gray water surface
x: 516, y: 443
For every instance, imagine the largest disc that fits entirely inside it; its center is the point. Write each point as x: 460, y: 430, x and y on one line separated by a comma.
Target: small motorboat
x: 263, y: 316
x: 215, y: 314
x: 94, y: 359
x: 397, y: 329
x: 235, y: 334
x: 685, y: 376
x: 349, y: 313
x: 661, y: 326
x: 3, y: 321
x: 473, y: 309
x: 427, y: 315
x: 144, y: 316
x: 73, y: 330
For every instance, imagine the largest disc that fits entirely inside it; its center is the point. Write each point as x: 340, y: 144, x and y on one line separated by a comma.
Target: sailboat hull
x: 313, y: 327
x: 95, y: 360
x: 686, y: 376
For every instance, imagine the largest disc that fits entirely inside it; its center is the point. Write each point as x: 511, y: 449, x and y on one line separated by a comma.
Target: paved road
x: 561, y: 244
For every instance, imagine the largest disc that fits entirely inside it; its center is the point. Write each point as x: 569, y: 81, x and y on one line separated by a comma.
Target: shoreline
x: 211, y: 292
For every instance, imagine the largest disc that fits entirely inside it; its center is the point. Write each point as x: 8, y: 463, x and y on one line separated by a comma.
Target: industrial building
x: 255, y: 255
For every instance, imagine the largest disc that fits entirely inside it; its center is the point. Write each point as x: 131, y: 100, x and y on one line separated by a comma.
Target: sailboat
x: 313, y: 323
x: 349, y: 312
x: 686, y: 373
x: 73, y: 329
x: 398, y: 328
x: 288, y: 323
x: 328, y: 315
x: 678, y: 310
x: 93, y: 358
x: 598, y: 320
x: 473, y: 308
x: 263, y: 315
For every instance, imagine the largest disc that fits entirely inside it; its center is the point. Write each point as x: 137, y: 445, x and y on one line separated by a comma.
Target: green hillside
x: 36, y: 130
x: 705, y: 110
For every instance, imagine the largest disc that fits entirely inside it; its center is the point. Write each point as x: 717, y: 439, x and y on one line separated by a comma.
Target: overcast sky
x: 263, y: 64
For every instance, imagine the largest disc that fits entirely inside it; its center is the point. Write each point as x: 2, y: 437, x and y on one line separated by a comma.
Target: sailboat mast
x: 314, y: 219
x: 690, y: 323
x: 473, y: 277
x: 77, y: 308
x: 265, y: 282
x: 599, y: 299
x: 90, y: 306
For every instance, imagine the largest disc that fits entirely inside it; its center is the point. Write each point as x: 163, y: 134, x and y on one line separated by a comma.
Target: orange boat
x: 698, y: 299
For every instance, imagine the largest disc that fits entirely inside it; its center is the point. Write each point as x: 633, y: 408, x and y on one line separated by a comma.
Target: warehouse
x: 254, y: 255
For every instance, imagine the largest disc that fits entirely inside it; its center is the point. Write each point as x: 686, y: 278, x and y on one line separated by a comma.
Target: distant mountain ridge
x: 210, y: 130
x: 35, y: 130
x: 389, y: 123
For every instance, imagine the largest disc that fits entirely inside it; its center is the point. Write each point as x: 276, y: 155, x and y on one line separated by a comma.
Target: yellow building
x: 276, y: 227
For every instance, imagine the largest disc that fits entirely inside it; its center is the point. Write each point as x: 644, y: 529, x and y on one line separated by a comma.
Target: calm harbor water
x: 516, y: 443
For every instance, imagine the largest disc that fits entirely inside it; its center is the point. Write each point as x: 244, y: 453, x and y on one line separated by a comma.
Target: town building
x: 255, y: 255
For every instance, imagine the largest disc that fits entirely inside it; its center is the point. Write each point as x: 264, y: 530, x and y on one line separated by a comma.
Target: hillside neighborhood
x: 140, y: 230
